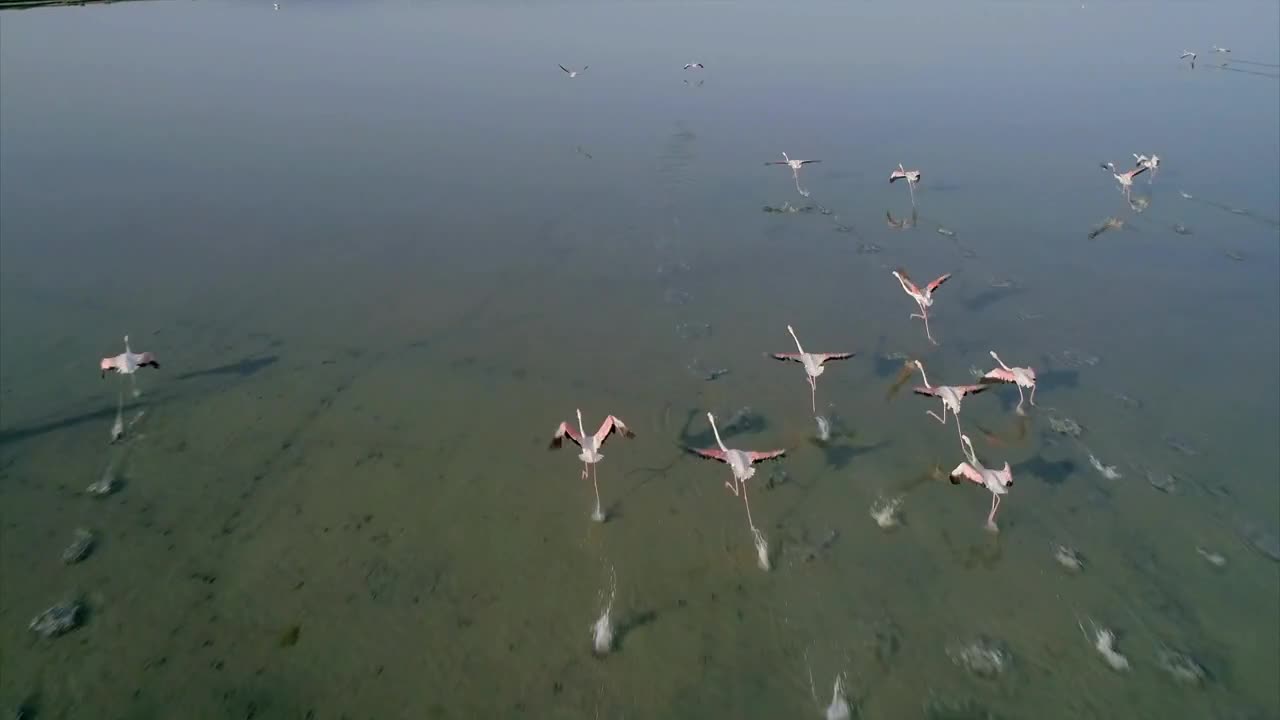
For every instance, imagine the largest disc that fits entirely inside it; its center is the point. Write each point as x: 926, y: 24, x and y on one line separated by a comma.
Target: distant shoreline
x: 25, y: 4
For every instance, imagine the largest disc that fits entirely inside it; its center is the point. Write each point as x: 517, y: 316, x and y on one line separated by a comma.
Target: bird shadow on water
x: 244, y: 368
x: 744, y: 422
x: 16, y: 434
x: 839, y: 455
x: 630, y: 623
x: 990, y: 296
x: 1053, y: 472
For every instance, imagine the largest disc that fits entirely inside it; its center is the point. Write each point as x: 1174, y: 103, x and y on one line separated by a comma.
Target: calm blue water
x: 382, y: 249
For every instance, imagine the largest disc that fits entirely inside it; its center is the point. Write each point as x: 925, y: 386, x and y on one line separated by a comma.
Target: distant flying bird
x: 997, y: 482
x: 127, y: 362
x: 1188, y: 54
x: 923, y: 298
x: 574, y: 73
x: 1022, y: 377
x: 694, y: 66
x: 795, y: 166
x: 911, y: 176
x: 812, y: 364
x: 1125, y: 178
x: 1221, y: 49
x: 591, y: 445
x: 1151, y: 163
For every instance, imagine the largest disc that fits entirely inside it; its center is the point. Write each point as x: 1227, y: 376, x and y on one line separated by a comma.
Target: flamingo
x: 1125, y: 178
x: 795, y: 166
x: 1151, y: 163
x: 997, y: 482
x: 812, y: 364
x: 1188, y: 54
x: 1021, y: 377
x: 694, y: 66
x: 591, y: 445
x: 951, y: 395
x: 574, y: 73
x: 127, y: 362
x: 740, y: 462
x: 923, y: 298
x: 1221, y: 49
x: 911, y: 176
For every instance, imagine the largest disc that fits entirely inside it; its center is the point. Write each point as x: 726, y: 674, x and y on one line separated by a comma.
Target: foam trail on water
x: 602, y: 628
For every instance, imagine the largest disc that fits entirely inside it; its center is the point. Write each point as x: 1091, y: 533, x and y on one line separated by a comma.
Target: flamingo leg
x: 584, y: 471
x: 813, y: 394
x: 942, y: 419
x: 1033, y: 395
x: 596, y: 485
x: 1019, y: 408
x: 958, y: 431
x: 928, y: 334
x: 748, y: 504
x: 911, y: 188
x: 995, y: 505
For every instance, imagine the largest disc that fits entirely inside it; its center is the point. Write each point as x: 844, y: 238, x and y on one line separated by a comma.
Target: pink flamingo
x: 127, y: 362
x: 1126, y: 178
x: 740, y: 462
x: 923, y: 298
x: 911, y: 176
x: 951, y: 395
x: 812, y: 364
x: 1021, y: 377
x: 795, y: 166
x: 996, y: 481
x: 591, y: 445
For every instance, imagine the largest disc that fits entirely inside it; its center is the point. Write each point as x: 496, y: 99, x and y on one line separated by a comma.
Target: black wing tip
x: 555, y: 443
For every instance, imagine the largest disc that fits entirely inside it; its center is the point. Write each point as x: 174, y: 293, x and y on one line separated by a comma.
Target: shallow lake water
x: 382, y: 249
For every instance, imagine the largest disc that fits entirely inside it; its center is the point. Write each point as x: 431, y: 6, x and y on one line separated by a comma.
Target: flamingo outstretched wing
x: 565, y: 430
x: 809, y: 162
x: 611, y: 425
x: 965, y: 471
x: 921, y: 390
x: 566, y: 69
x: 938, y: 283
x: 824, y: 357
x: 761, y: 455
x: 998, y: 375
x: 906, y: 280
x: 709, y: 453
x: 897, y: 175
x: 794, y: 357
x: 146, y: 359
x: 970, y: 389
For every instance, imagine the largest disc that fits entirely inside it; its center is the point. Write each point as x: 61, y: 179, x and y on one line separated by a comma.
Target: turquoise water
x: 382, y: 250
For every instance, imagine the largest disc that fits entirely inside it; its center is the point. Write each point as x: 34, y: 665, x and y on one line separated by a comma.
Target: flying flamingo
x: 923, y: 298
x: 574, y: 73
x: 996, y: 481
x: 1125, y: 178
x: 127, y: 363
x: 1221, y: 49
x: 951, y: 395
x: 591, y: 445
x: 694, y: 66
x: 1188, y: 54
x: 795, y: 166
x: 812, y: 364
x: 1151, y: 163
x: 911, y: 176
x: 740, y: 462
x: 1022, y: 377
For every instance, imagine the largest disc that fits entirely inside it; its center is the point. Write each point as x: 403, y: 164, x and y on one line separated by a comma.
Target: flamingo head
x: 1006, y: 475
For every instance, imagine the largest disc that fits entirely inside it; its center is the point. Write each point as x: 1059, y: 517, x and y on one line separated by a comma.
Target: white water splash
x: 762, y: 549
x: 824, y: 428
x: 1104, y: 641
x: 117, y: 428
x: 885, y: 512
x: 602, y: 628
x: 839, y: 707
x: 1108, y: 471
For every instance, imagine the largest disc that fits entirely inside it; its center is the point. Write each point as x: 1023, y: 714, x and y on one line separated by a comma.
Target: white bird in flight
x: 694, y: 66
x: 1221, y: 49
x: 1187, y: 54
x: 574, y: 73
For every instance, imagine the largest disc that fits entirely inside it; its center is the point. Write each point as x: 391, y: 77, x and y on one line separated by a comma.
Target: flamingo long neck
x: 997, y: 357
x: 793, y: 337
x: 717, y: 432
x: 581, y: 431
x: 968, y: 450
x: 784, y: 157
x: 920, y: 367
x: 126, y: 344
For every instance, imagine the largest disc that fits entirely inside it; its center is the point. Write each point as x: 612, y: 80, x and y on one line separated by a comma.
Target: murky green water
x: 382, y: 250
